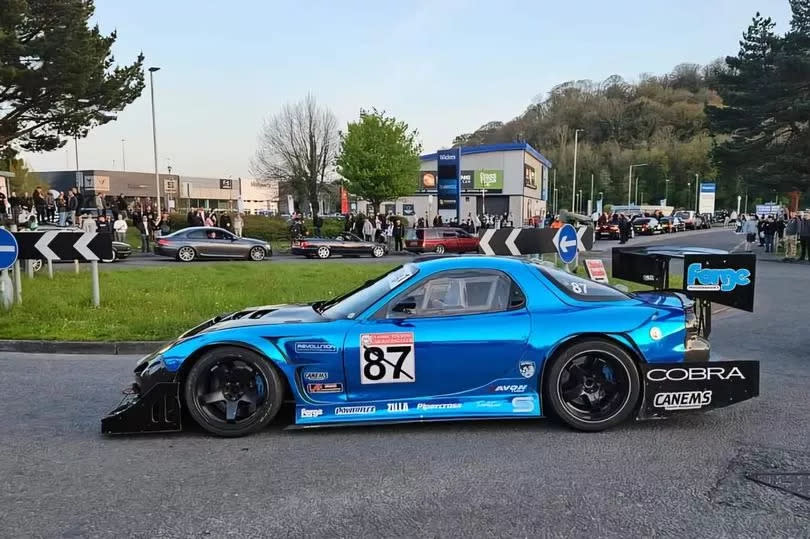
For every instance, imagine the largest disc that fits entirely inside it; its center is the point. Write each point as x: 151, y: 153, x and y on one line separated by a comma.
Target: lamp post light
x: 580, y: 202
x: 666, y: 189
x: 688, y: 194
x: 630, y: 181
x: 123, y: 155
x: 574, y: 183
x: 154, y: 136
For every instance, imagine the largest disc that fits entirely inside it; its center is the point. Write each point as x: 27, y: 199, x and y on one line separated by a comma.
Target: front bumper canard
x: 673, y: 388
x: 157, y: 410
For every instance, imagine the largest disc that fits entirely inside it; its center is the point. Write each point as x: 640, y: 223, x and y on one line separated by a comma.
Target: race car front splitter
x: 672, y: 388
x: 156, y: 410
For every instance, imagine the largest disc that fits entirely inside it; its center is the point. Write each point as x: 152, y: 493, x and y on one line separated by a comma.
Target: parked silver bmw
x: 198, y: 242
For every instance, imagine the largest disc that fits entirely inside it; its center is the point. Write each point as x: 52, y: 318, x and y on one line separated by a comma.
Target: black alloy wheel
x: 231, y: 391
x: 593, y: 385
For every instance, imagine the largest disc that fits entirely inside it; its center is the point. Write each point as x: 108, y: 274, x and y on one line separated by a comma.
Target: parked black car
x: 344, y: 243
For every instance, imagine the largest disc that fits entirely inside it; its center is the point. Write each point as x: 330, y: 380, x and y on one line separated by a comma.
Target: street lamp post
x: 688, y: 194
x: 123, y: 156
x: 154, y: 136
x: 574, y: 183
x: 697, y: 186
x: 554, y: 196
x: 666, y: 190
x: 630, y: 181
x: 591, y: 202
x: 580, y: 202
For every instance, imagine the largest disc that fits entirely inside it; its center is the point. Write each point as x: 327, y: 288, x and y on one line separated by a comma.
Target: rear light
x: 163, y: 242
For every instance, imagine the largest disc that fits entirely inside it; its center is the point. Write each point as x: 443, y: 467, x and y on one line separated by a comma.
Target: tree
x: 297, y: 146
x: 766, y: 106
x: 57, y: 74
x: 379, y: 158
x: 25, y: 180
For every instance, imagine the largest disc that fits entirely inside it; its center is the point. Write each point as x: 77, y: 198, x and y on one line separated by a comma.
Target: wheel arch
x: 620, y: 340
x: 188, y: 363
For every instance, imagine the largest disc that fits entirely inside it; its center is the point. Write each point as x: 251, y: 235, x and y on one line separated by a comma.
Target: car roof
x: 443, y: 263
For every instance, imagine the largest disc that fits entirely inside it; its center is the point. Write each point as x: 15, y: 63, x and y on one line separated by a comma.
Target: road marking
x: 737, y: 246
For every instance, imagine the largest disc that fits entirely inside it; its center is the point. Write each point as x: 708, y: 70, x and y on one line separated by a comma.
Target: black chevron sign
x: 64, y: 245
x: 528, y: 241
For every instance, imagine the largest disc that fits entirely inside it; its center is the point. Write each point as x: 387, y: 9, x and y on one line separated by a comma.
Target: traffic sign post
x: 566, y: 241
x: 8, y: 256
x: 533, y: 241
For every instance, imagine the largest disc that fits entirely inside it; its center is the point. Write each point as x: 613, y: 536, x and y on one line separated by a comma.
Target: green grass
x: 159, y: 303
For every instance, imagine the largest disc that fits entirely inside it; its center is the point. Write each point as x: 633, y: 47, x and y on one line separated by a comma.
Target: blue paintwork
x: 466, y: 366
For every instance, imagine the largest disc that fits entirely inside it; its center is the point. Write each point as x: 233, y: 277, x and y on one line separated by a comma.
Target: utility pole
x: 554, y: 196
x: 697, y: 186
x: 574, y: 183
x: 591, y: 202
x: 154, y: 136
x: 123, y: 155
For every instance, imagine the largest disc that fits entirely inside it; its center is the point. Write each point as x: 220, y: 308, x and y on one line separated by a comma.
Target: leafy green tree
x: 57, y: 76
x: 25, y: 179
x: 379, y: 158
x: 766, y: 106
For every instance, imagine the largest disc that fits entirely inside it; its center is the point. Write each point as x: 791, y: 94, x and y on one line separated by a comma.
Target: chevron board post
x: 527, y: 241
x: 61, y: 245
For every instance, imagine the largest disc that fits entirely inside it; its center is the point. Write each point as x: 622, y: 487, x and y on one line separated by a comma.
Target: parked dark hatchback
x: 440, y: 240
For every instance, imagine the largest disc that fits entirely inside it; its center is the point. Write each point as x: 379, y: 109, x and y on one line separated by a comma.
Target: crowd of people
x: 769, y: 232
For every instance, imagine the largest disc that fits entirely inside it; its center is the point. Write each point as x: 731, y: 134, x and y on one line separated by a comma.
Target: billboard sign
x: 529, y: 176
x: 96, y: 183
x: 491, y: 180
x: 170, y: 186
x: 448, y: 181
x: 466, y: 179
x: 707, y: 195
x: 225, y: 183
x: 427, y: 180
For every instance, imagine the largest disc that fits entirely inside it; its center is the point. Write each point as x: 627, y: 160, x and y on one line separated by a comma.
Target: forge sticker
x: 387, y: 358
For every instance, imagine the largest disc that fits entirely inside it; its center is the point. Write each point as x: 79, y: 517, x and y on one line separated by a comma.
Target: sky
x: 443, y: 66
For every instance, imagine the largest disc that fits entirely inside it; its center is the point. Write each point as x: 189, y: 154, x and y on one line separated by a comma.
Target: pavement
x: 679, y: 477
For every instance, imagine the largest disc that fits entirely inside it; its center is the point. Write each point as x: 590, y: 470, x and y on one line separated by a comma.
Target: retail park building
x: 495, y: 179
x: 176, y: 191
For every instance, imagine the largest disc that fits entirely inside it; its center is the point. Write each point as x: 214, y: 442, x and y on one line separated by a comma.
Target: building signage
x: 447, y: 180
x: 407, y: 209
x: 96, y: 183
x: 390, y: 209
x: 707, y: 195
x: 466, y: 179
x: 170, y: 186
x: 225, y: 183
x: 529, y: 176
x: 491, y: 180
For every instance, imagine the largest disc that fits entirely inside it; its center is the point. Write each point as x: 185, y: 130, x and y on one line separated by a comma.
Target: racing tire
x: 440, y: 249
x: 257, y: 254
x: 186, y: 254
x: 592, y: 385
x: 324, y: 252
x: 228, y: 382
x: 377, y: 251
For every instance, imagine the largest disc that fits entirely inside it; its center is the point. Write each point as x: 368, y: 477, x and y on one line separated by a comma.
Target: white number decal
x: 579, y: 288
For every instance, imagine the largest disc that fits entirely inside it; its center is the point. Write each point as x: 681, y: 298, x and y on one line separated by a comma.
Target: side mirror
x: 407, y: 306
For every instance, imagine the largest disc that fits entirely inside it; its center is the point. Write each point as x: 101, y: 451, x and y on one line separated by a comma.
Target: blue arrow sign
x: 8, y: 249
x: 566, y: 243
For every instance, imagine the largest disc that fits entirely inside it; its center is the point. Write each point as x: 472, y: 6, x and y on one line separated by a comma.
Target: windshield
x: 579, y: 288
x: 358, y: 300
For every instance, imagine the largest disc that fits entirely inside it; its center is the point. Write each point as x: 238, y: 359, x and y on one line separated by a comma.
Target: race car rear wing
x: 710, y: 275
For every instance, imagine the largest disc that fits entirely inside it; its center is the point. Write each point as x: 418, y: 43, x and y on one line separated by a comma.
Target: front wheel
x: 440, y: 249
x: 257, y: 254
x: 593, y: 385
x: 231, y: 391
x: 378, y: 251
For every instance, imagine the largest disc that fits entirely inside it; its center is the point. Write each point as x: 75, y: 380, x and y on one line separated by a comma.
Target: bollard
x: 17, y: 282
x: 6, y: 290
x: 76, y: 265
x: 94, y: 278
x: 29, y: 268
x: 50, y: 269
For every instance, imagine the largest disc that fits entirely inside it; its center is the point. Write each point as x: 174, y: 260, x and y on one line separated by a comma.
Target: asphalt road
x: 683, y: 476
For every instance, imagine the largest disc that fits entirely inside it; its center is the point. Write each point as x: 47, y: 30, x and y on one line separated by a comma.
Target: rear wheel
x: 186, y: 254
x: 231, y: 391
x: 324, y: 252
x: 440, y: 249
x: 592, y: 385
x: 377, y: 251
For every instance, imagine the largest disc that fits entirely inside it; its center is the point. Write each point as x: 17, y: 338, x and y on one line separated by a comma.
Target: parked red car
x: 440, y: 240
x: 608, y: 230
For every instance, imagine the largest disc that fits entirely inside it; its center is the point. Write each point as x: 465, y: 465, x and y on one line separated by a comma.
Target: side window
x: 454, y: 293
x: 196, y: 234
x: 448, y: 233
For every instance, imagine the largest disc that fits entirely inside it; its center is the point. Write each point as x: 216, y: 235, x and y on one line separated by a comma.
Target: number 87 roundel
x: 387, y: 358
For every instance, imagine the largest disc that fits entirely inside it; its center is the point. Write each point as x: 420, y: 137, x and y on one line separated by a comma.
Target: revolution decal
x: 683, y: 400
x: 387, y: 358
x: 315, y: 348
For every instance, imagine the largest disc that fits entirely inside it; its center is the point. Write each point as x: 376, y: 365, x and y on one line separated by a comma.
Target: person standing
x: 804, y: 237
x: 317, y: 222
x: 238, y: 223
x: 99, y: 204
x: 40, y: 204
x: 368, y: 230
x: 145, y: 229
x: 61, y: 208
x: 4, y: 209
x: 121, y: 202
x: 79, y: 199
x: 88, y: 224
x: 791, y: 237
x: 50, y: 207
x: 102, y: 225
x: 399, y: 232
x: 768, y: 229
x: 120, y: 227
x: 72, y: 208
x: 751, y: 230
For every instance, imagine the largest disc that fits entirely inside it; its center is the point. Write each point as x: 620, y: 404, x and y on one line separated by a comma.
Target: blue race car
x: 437, y: 339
